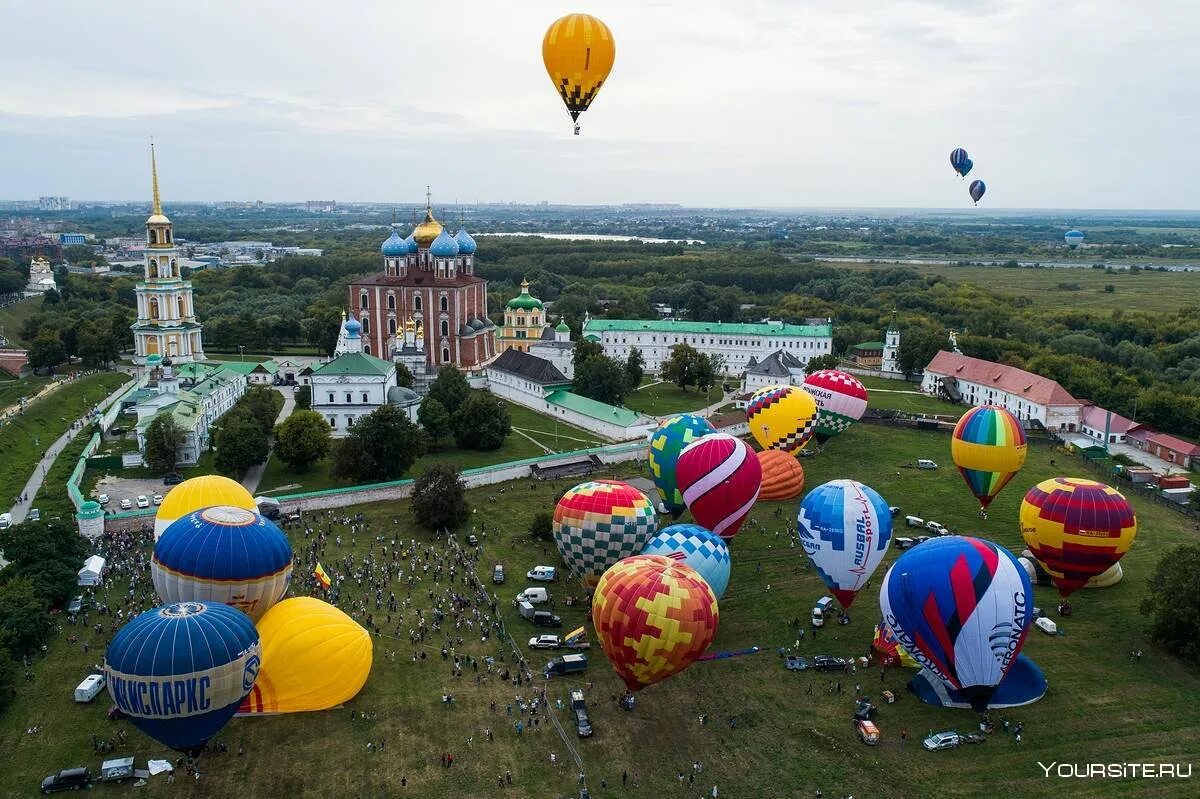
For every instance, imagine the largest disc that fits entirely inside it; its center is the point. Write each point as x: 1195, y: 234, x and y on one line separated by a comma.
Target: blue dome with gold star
x: 444, y: 246
x: 394, y: 245
x: 466, y: 244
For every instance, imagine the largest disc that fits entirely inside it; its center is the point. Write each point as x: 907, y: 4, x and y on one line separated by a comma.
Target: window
x: 365, y: 400
x: 331, y: 400
x: 416, y: 302
x: 349, y: 397
x: 391, y: 323
x: 362, y: 301
x: 445, y: 328
x: 366, y: 324
x: 332, y: 419
x: 391, y: 302
x: 445, y: 303
x: 445, y: 354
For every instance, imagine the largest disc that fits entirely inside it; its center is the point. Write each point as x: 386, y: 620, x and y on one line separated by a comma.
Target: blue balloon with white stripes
x: 180, y: 671
x: 694, y: 546
x: 845, y: 528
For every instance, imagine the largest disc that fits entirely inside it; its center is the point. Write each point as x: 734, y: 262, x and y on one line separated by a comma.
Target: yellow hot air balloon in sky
x: 578, y: 51
x: 314, y: 657
x: 200, y: 492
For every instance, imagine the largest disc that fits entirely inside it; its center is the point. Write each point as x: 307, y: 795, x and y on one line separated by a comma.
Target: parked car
x: 5, y: 521
x: 914, y: 521
x: 583, y: 725
x: 172, y: 479
x: 142, y: 501
x: 822, y: 609
x: 534, y: 596
x: 935, y: 527
x: 76, y: 604
x: 828, y: 663
x: 904, y: 543
x: 104, y: 499
x: 1048, y: 626
x: 35, y: 515
x: 894, y: 510
x: 126, y: 504
x: 864, y: 711
x: 69, y: 779
x: 544, y: 618
x: 156, y: 499
x: 543, y: 573
x: 795, y: 663
x: 498, y: 573
x: 545, y: 642
x: 921, y: 539
x: 942, y: 740
x: 116, y: 430
x: 472, y: 540
x: 868, y: 732
x: 925, y: 463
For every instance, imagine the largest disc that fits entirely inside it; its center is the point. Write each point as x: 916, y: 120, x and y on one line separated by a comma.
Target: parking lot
x: 119, y: 488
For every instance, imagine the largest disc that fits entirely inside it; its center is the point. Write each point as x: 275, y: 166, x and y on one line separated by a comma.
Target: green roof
x: 717, y: 328
x: 562, y: 327
x: 869, y: 345
x: 524, y: 302
x: 241, y: 367
x: 193, y: 370
x: 355, y: 363
x: 590, y: 407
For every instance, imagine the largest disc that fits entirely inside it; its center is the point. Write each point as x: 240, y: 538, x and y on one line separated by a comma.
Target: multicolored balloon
x: 890, y: 652
x: 314, y: 657
x: 200, y: 492
x: 841, y: 401
x: 845, y: 528
x: 978, y: 189
x: 694, y: 546
x: 719, y: 476
x: 654, y: 616
x: 782, y: 417
x: 665, y: 445
x: 958, y: 158
x: 988, y: 447
x: 962, y: 608
x: 1077, y: 529
x: 599, y: 522
x: 782, y: 475
x: 180, y: 671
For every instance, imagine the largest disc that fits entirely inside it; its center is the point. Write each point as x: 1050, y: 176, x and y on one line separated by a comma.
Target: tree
x: 542, y: 526
x: 46, y: 351
x: 164, y: 437
x: 601, y: 378
x: 263, y: 403
x: 1173, y: 603
x: 918, y: 345
x: 583, y: 350
x: 24, y: 616
x: 381, y: 446
x: 439, y: 499
x: 450, y: 388
x: 820, y: 362
x: 241, y: 442
x: 481, y: 423
x: 683, y: 366
x: 48, y: 554
x: 304, y: 397
x: 434, y: 417
x: 302, y: 439
x: 635, y: 367
x: 8, y: 679
x: 403, y: 376
x: 99, y: 347
x: 709, y: 369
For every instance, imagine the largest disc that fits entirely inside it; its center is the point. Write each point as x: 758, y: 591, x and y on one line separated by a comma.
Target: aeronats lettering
x: 151, y: 698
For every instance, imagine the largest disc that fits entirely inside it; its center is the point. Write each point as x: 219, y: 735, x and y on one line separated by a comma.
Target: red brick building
x: 1174, y: 450
x: 428, y: 278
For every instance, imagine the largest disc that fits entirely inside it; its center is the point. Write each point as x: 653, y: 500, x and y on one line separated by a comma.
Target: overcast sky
x: 1067, y: 103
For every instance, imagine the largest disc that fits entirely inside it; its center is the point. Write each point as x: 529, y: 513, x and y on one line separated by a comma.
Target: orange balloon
x: 782, y: 475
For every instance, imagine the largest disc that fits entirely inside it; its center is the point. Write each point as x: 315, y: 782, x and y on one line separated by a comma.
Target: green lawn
x: 787, y: 743
x: 665, y: 399
x: 11, y: 391
x: 13, y: 316
x: 900, y: 395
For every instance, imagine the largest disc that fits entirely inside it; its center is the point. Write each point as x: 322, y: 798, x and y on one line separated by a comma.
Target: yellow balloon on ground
x: 314, y: 657
x: 578, y: 51
x: 782, y: 417
x: 200, y: 492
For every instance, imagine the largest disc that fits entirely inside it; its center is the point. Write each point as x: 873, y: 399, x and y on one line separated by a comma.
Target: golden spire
x: 154, y: 176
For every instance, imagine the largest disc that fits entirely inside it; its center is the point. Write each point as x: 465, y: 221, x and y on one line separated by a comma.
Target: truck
x: 822, y: 609
x: 583, y: 725
x: 116, y: 770
x: 567, y: 664
x: 91, y: 686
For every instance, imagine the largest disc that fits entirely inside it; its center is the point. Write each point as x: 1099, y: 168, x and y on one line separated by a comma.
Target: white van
x: 534, y: 596
x: 1046, y: 625
x: 925, y: 463
x: 543, y: 573
x: 934, y: 527
x: 87, y: 690
x: 821, y: 610
x: 5, y: 521
x: 914, y: 521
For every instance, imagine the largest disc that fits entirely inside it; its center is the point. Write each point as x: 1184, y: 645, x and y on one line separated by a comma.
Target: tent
x: 93, y: 567
x: 1023, y: 685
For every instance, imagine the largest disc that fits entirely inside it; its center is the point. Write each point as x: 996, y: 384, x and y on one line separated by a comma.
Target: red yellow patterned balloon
x: 653, y: 616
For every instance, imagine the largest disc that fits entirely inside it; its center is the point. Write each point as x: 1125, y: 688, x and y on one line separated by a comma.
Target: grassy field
x: 13, y: 316
x: 900, y: 395
x: 1047, y: 288
x: 664, y: 399
x: 787, y: 743
x: 11, y: 391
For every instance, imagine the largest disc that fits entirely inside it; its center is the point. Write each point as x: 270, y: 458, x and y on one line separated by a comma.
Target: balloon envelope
x: 578, y: 51
x: 180, y: 671
x: 314, y: 657
x: 962, y: 608
x: 665, y: 445
x: 845, y: 528
x: 653, y: 616
x: 223, y: 554
x: 841, y: 401
x: 967, y: 166
x: 958, y: 157
x: 200, y: 492
x: 694, y: 546
x: 599, y: 522
x: 1073, y: 239
x: 1076, y: 528
x: 978, y: 189
x: 989, y: 448
x: 719, y: 476
x: 782, y: 475
x: 782, y: 417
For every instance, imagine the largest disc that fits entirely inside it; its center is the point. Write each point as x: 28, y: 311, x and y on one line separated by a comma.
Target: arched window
x: 445, y: 328
x: 367, y: 348
x: 391, y: 326
x: 391, y: 302
x: 182, y: 312
x: 154, y: 237
x: 445, y: 303
x: 362, y: 301
x: 366, y: 324
x: 153, y: 308
x: 445, y: 355
x: 416, y: 302
x: 174, y: 268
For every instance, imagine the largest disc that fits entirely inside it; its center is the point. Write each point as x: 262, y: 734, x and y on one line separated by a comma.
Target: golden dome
x: 158, y: 219
x: 427, y: 231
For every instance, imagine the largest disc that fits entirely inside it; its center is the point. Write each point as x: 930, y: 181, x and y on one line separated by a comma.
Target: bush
x: 439, y: 500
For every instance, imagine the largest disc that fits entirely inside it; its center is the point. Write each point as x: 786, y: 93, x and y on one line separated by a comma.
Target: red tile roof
x: 1032, y: 388
x: 1175, y: 444
x: 1096, y: 418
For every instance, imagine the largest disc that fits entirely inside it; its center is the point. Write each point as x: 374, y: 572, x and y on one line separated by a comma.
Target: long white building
x: 1027, y: 396
x: 737, y: 342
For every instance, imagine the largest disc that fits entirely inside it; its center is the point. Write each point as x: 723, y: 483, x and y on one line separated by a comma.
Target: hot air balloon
x: 223, y: 554
x: 958, y: 158
x: 782, y: 475
x: 314, y: 657
x: 654, y: 616
x: 782, y: 417
x: 841, y: 401
x: 1073, y: 239
x: 978, y: 189
x: 719, y: 476
x: 845, y: 528
x: 967, y: 166
x: 694, y: 546
x: 200, y: 492
x: 1076, y: 528
x: 665, y: 445
x: 599, y: 522
x: 180, y: 671
x: 962, y: 608
x: 988, y: 447
x: 578, y: 51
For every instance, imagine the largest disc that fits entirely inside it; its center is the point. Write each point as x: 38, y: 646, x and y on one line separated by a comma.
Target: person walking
x: 903, y: 737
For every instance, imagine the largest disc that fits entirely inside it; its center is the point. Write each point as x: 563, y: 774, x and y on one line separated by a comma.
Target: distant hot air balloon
x: 665, y: 445
x: 1073, y: 239
x: 958, y: 158
x: 967, y: 166
x: 781, y: 417
x: 599, y: 522
x: 845, y: 528
x: 180, y: 671
x: 719, y: 476
x: 578, y: 51
x: 978, y: 189
x: 200, y: 492
x: 782, y: 475
x: 223, y: 554
x: 314, y: 657
x: 654, y: 616
x: 962, y: 608
x: 1076, y: 528
x: 694, y: 546
x: 841, y: 401
x: 988, y: 447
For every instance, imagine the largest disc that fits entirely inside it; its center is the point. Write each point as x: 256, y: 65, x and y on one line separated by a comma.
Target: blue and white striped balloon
x: 845, y: 528
x: 694, y: 546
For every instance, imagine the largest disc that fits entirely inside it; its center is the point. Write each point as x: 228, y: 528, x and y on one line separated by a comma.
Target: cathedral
x: 428, y: 283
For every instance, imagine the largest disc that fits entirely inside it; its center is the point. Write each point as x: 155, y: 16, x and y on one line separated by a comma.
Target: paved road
x: 254, y: 476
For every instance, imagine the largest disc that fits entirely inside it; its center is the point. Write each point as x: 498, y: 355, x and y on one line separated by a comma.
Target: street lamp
x: 241, y: 349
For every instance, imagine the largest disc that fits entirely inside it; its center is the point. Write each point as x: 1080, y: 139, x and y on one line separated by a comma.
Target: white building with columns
x: 355, y: 383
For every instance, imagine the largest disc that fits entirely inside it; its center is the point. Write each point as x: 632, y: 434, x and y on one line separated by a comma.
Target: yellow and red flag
x: 322, y: 576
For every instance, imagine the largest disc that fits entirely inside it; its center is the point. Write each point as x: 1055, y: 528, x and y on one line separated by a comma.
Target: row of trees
x: 602, y: 378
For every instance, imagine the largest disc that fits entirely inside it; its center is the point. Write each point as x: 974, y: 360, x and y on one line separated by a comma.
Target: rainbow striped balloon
x: 988, y: 447
x: 720, y: 477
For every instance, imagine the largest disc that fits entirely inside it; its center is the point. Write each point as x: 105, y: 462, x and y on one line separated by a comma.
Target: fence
x: 76, y: 477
